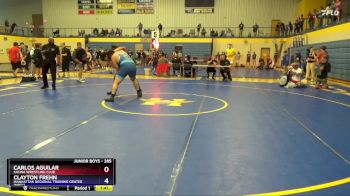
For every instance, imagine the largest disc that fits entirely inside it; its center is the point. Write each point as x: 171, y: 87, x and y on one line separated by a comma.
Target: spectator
x: 27, y: 60
x: 140, y: 27
x: 212, y: 33
x: 154, y: 63
x: 254, y: 59
x: 216, y: 34
x: 95, y: 32
x: 312, y: 19
x: 323, y: 68
x: 241, y: 27
x: 248, y: 59
x: 269, y: 63
x: 302, y: 20
x: 255, y: 29
x: 287, y: 30
x: 7, y: 23
x: 328, y: 17
x: 80, y: 58
x: 238, y: 59
x: 38, y: 60
x: 282, y: 29
x: 320, y: 17
x: 204, y: 32
x: 112, y: 33
x: 160, y: 28
x: 199, y: 26
x: 261, y: 63
x: 275, y: 60
x: 7, y: 26
x: 290, y: 28
x: 88, y: 60
x: 15, y: 58
x: 212, y: 67
x: 296, y: 26
x: 119, y: 32
x: 163, y: 68
x: 188, y: 66
x: 176, y: 64
x: 277, y: 30
x: 285, y: 61
x: 334, y: 8
x: 229, y: 32
x: 66, y: 58
x: 311, y: 66
x: 339, y: 8
x: 225, y: 71
x: 103, y: 59
x: 23, y: 49
x: 13, y: 26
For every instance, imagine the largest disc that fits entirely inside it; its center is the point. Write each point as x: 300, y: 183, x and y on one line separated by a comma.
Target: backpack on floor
x: 28, y: 79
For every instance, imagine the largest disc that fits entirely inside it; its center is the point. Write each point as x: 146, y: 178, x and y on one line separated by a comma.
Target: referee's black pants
x: 52, y: 67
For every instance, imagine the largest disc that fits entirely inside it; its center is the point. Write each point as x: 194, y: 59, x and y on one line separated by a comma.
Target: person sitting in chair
x: 176, y: 61
x: 212, y: 69
x: 188, y: 66
x: 261, y: 63
x: 225, y: 71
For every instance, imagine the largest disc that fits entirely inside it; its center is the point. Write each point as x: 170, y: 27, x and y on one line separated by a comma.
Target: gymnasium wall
x: 171, y: 13
x: 337, y: 40
x: 199, y: 47
x: 19, y: 11
x: 253, y: 45
x: 7, y: 42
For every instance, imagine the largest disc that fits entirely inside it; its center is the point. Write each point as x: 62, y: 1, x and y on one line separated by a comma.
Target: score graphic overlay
x: 81, y: 174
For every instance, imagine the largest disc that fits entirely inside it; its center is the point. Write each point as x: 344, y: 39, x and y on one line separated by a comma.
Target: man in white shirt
x: 295, y: 73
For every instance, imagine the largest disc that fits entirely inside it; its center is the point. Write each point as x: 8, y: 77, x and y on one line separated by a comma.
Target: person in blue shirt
x: 285, y: 61
x: 125, y: 66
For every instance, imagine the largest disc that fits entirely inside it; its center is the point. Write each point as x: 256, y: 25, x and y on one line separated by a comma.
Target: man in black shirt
x: 66, y: 58
x: 225, y: 71
x: 160, y: 28
x: 80, y: 58
x: 50, y: 52
x: 255, y: 29
x: 241, y: 26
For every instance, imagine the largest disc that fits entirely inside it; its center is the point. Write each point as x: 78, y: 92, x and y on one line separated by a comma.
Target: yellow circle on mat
x: 225, y: 105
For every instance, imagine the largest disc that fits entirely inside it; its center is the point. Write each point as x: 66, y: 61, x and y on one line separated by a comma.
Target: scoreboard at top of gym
x: 79, y: 174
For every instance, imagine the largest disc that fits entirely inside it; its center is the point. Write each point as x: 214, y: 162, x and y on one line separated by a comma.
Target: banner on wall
x: 198, y: 10
x: 135, y: 6
x: 144, y: 7
x: 104, y: 6
x: 86, y: 7
x: 126, y: 6
x: 199, y: 6
x: 89, y: 7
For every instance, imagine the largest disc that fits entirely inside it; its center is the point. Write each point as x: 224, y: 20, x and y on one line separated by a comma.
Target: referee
x: 50, y: 52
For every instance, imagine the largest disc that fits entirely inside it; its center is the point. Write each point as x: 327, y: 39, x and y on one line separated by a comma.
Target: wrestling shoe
x: 110, y: 99
x: 139, y: 93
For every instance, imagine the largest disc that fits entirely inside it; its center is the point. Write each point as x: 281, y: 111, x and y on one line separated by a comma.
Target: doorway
x: 38, y: 22
x: 274, y: 24
x: 265, y: 53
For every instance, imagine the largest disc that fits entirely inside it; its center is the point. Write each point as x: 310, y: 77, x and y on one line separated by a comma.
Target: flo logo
x: 330, y: 12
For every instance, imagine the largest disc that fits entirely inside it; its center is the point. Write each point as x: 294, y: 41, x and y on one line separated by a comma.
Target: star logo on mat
x: 167, y: 102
